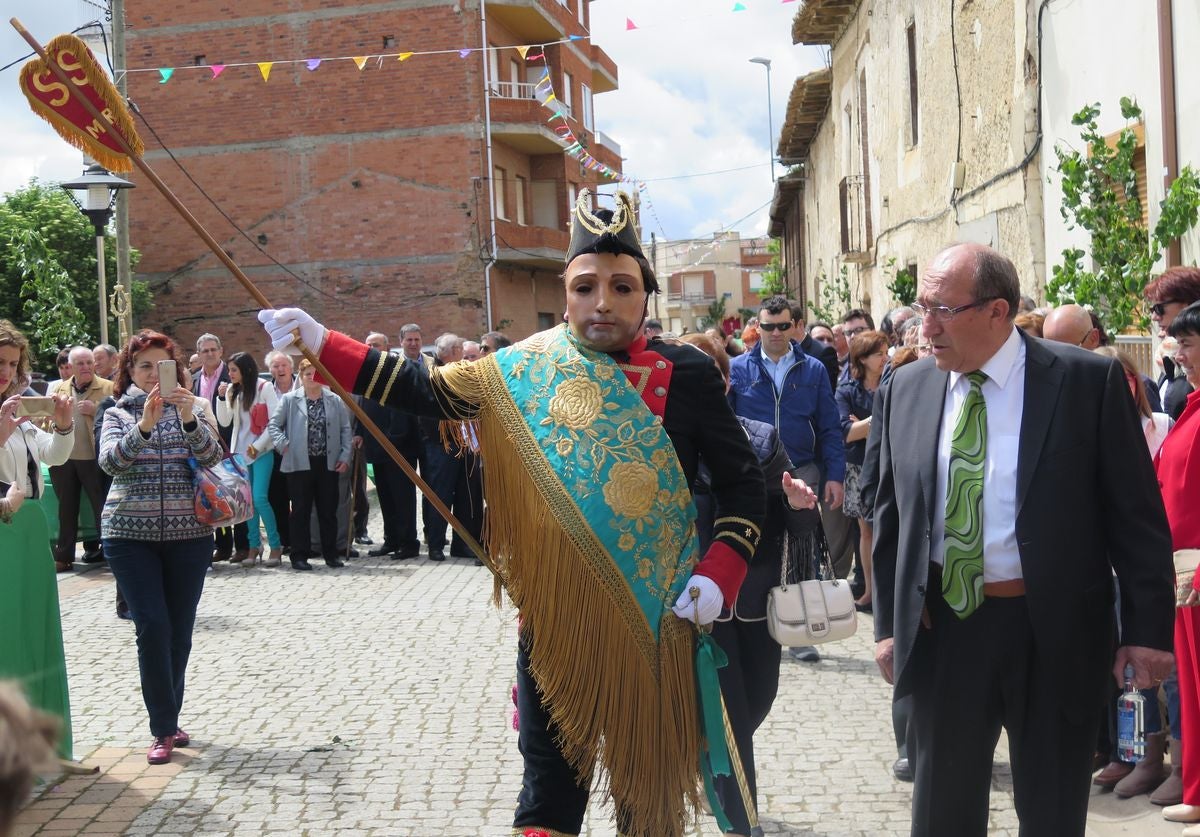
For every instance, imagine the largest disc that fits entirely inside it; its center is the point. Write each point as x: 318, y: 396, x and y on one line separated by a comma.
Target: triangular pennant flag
x: 463, y: 53
x: 361, y: 61
x: 522, y: 50
x: 264, y: 67
x: 166, y: 73
x: 312, y: 63
x: 575, y: 37
x: 216, y: 69
x: 537, y: 56
x: 629, y: 24
x: 404, y: 56
x: 738, y: 7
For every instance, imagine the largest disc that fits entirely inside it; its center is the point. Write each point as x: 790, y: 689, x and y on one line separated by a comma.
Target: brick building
x: 375, y: 186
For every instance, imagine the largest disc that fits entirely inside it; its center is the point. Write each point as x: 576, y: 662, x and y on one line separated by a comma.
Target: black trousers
x: 362, y: 508
x: 969, y: 678
x: 71, y: 480
x: 551, y: 797
x: 468, y: 501
x: 318, y: 486
x: 397, y: 502
x: 277, y: 496
x: 440, y: 470
x: 749, y: 684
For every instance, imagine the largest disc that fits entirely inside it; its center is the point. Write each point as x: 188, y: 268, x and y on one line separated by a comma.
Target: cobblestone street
x: 374, y: 700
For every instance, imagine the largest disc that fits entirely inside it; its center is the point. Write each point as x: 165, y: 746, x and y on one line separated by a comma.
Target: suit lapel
x: 1043, y: 383
x: 929, y: 395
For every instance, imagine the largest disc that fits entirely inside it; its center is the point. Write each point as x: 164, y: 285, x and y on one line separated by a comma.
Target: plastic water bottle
x: 1131, y: 715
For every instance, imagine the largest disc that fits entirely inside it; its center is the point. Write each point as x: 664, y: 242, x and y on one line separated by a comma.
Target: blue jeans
x: 162, y: 582
x: 260, y: 486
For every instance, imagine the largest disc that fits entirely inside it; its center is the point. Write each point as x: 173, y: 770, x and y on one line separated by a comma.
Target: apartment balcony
x: 534, y: 21
x: 691, y: 299
x: 853, y: 199
x: 519, y: 120
x: 609, y: 143
x: 531, y: 246
x: 604, y: 71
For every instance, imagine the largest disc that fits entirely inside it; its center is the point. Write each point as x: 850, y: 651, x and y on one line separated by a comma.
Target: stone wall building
x: 373, y: 187
x: 922, y: 131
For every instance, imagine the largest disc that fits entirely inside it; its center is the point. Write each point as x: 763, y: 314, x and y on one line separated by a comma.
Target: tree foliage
x: 48, y: 284
x: 773, y: 280
x: 903, y: 285
x: 1100, y: 196
x: 835, y: 297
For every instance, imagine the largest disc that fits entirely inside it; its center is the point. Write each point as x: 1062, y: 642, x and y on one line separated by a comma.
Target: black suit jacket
x: 1087, y: 503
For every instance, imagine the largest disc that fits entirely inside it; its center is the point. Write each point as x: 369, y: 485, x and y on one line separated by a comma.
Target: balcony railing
x: 513, y: 90
x: 692, y: 297
x: 610, y: 143
x: 853, y: 196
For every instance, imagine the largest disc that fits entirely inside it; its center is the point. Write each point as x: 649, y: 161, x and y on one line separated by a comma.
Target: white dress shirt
x: 1004, y: 394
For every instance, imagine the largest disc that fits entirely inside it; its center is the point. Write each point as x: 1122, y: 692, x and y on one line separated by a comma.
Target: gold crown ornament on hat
x: 605, y: 230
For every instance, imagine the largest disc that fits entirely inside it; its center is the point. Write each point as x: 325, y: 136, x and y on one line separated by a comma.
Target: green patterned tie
x: 962, y: 574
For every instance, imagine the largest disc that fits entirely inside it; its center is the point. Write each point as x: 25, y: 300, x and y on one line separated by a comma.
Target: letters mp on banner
x: 50, y: 99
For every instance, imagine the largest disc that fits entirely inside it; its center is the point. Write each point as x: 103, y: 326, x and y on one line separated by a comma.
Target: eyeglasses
x: 774, y: 326
x: 1160, y: 308
x: 854, y: 332
x: 942, y: 313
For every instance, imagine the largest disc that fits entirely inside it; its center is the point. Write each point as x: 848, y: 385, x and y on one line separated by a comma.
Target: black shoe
x: 351, y: 553
x: 300, y: 564
x: 437, y: 555
x: 379, y: 552
x: 334, y: 562
x: 406, y: 552
x: 93, y: 556
x: 478, y: 563
x: 902, y: 770
x: 364, y: 540
x: 123, y: 613
x: 805, y: 654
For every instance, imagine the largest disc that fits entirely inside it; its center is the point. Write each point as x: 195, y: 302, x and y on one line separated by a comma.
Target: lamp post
x: 766, y: 62
x: 99, y: 189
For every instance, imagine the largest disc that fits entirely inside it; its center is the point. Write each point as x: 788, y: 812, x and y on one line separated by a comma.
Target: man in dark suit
x: 1012, y: 482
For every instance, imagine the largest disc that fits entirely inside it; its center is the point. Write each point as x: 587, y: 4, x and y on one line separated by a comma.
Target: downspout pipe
x: 487, y: 139
x: 1170, y: 129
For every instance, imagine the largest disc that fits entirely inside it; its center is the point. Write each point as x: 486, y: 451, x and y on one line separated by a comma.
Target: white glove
x: 282, y: 322
x: 708, y: 605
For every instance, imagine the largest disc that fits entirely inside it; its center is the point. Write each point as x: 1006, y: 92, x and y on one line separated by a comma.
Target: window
x: 914, y: 109
x: 514, y: 73
x: 498, y: 186
x: 493, y: 70
x: 579, y: 4
x: 585, y: 100
x: 545, y: 321
x: 1139, y: 171
x: 571, y: 195
x: 521, y: 181
x: 565, y: 97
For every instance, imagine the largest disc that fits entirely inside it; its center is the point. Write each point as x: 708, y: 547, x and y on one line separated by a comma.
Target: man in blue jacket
x: 778, y: 383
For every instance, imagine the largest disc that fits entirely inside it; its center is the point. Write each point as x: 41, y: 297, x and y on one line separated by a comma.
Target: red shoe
x: 160, y: 750
x: 182, y: 739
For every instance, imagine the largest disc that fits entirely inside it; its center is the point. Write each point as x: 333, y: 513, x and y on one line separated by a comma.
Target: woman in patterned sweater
x: 156, y: 548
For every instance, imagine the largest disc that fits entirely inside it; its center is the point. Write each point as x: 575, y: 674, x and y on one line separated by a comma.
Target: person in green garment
x: 32, y: 653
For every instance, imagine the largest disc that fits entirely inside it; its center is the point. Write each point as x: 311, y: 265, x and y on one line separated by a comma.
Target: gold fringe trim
x: 121, y: 119
x: 636, y: 717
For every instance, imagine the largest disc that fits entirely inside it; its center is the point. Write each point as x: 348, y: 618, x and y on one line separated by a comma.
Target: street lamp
x: 766, y: 62
x: 99, y: 189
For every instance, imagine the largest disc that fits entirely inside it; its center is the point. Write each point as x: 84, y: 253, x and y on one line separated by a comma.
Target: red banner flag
x: 51, y: 100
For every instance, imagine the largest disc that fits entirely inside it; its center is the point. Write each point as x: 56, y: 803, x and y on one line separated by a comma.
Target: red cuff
x: 725, y: 566
x: 343, y: 356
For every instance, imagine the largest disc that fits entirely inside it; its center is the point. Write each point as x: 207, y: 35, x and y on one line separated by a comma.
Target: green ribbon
x: 714, y: 754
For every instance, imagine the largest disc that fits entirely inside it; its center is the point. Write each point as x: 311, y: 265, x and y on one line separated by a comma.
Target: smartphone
x: 35, y: 406
x: 168, y: 376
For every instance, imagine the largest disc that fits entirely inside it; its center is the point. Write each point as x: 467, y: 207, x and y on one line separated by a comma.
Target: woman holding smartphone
x: 156, y: 548
x: 31, y: 651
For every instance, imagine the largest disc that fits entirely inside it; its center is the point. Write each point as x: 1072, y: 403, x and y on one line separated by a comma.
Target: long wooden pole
x: 258, y: 296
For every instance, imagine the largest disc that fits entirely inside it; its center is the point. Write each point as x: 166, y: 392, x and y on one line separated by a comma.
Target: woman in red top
x: 1178, y: 465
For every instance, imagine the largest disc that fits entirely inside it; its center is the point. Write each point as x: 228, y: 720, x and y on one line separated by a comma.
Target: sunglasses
x: 1160, y: 308
x: 774, y: 326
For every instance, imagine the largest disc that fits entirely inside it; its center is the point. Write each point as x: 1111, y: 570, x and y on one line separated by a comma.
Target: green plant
x: 773, y: 280
x: 835, y: 297
x: 715, y: 315
x: 903, y: 286
x: 1100, y: 196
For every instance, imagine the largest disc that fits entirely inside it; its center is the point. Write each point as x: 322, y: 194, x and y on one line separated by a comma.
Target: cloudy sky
x: 690, y: 103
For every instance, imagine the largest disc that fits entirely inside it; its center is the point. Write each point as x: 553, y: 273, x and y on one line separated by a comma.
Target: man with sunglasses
x: 1165, y: 297
x: 1013, y: 482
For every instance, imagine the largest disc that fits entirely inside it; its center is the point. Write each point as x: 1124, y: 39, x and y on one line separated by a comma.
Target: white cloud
x: 690, y: 101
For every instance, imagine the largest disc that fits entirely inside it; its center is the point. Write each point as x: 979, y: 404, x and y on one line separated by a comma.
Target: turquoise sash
x: 610, y: 474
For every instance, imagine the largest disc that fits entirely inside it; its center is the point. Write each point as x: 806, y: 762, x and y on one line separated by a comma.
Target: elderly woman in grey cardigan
x: 311, y: 431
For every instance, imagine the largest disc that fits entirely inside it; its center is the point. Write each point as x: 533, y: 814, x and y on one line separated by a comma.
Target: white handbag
x: 811, y: 612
